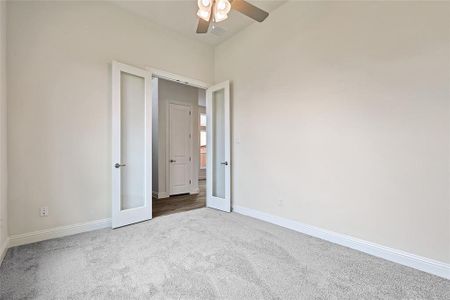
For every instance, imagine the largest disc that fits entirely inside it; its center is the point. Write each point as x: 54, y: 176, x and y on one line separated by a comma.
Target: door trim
x: 158, y: 73
x: 167, y: 150
x: 178, y: 78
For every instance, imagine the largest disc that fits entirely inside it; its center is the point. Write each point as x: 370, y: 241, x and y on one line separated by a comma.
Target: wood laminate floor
x: 174, y: 204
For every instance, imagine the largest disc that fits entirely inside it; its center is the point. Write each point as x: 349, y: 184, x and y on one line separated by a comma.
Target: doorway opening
x: 178, y: 147
x: 158, y: 144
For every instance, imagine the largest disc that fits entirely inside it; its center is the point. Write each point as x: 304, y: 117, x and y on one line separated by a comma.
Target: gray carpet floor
x: 206, y: 254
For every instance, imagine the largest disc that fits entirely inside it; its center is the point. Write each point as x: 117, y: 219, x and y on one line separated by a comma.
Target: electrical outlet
x: 43, y: 211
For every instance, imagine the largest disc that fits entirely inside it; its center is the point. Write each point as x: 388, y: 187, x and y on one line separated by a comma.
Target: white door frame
x: 158, y: 73
x: 125, y: 217
x: 191, y: 145
x: 223, y: 204
x: 177, y: 78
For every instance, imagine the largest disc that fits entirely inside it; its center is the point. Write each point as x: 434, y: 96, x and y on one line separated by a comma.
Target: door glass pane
x: 203, y: 150
x: 203, y: 120
x: 132, y: 140
x: 218, y: 139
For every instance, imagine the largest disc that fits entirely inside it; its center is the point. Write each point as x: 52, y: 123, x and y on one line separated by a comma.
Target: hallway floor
x: 175, y: 204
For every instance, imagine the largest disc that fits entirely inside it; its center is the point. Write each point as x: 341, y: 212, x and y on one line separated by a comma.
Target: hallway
x: 175, y: 204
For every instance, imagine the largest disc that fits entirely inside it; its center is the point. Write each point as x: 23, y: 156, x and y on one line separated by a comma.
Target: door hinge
x: 190, y: 159
x: 189, y: 135
x: 190, y: 181
x: 190, y: 112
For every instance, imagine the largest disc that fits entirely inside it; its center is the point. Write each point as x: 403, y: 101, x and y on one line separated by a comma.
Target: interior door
x: 218, y: 167
x: 131, y: 145
x: 180, y: 148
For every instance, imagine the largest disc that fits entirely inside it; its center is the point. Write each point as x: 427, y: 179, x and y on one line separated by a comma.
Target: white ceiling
x: 181, y: 17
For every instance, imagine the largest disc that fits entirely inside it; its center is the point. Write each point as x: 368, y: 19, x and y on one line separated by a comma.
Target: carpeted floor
x: 206, y: 254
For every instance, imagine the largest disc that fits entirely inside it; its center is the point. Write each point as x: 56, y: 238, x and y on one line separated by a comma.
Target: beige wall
x: 3, y: 183
x: 341, y: 119
x: 340, y: 114
x: 59, y: 125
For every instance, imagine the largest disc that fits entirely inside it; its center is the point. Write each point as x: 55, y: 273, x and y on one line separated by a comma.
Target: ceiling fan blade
x: 203, y: 25
x: 249, y: 10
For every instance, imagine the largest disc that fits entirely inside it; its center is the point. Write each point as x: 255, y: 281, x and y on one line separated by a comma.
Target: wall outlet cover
x: 43, y: 211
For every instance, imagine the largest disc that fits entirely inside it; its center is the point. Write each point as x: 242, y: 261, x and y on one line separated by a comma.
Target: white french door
x: 131, y: 145
x: 218, y: 167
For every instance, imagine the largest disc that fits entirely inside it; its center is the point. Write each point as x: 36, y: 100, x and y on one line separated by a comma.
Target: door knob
x: 173, y: 160
x: 117, y: 165
x: 224, y: 163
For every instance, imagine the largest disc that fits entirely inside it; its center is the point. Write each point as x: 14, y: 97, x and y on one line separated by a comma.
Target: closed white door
x: 180, y: 148
x: 218, y: 167
x: 131, y: 145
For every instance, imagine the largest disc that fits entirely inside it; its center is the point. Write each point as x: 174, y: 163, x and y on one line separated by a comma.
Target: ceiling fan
x: 217, y: 11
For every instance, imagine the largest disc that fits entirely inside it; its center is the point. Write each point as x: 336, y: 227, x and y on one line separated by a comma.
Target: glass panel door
x: 131, y: 145
x: 219, y: 165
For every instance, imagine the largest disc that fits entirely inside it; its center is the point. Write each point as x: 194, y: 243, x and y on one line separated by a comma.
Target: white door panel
x: 131, y: 145
x: 180, y: 148
x: 218, y: 168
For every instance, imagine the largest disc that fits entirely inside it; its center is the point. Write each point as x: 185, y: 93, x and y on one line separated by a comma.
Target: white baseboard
x: 398, y: 256
x: 160, y: 195
x: 51, y: 233
x: 195, y: 191
x: 3, y: 249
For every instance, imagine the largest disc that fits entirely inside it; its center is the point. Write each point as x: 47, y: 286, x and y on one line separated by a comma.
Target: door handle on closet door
x: 173, y: 160
x: 117, y: 165
x: 224, y: 163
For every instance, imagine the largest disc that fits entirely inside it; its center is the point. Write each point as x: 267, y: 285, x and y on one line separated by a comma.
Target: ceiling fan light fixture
x: 204, y: 4
x: 204, y: 14
x: 221, y: 5
x: 218, y: 17
x: 221, y: 10
x: 204, y: 9
x: 214, y: 11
